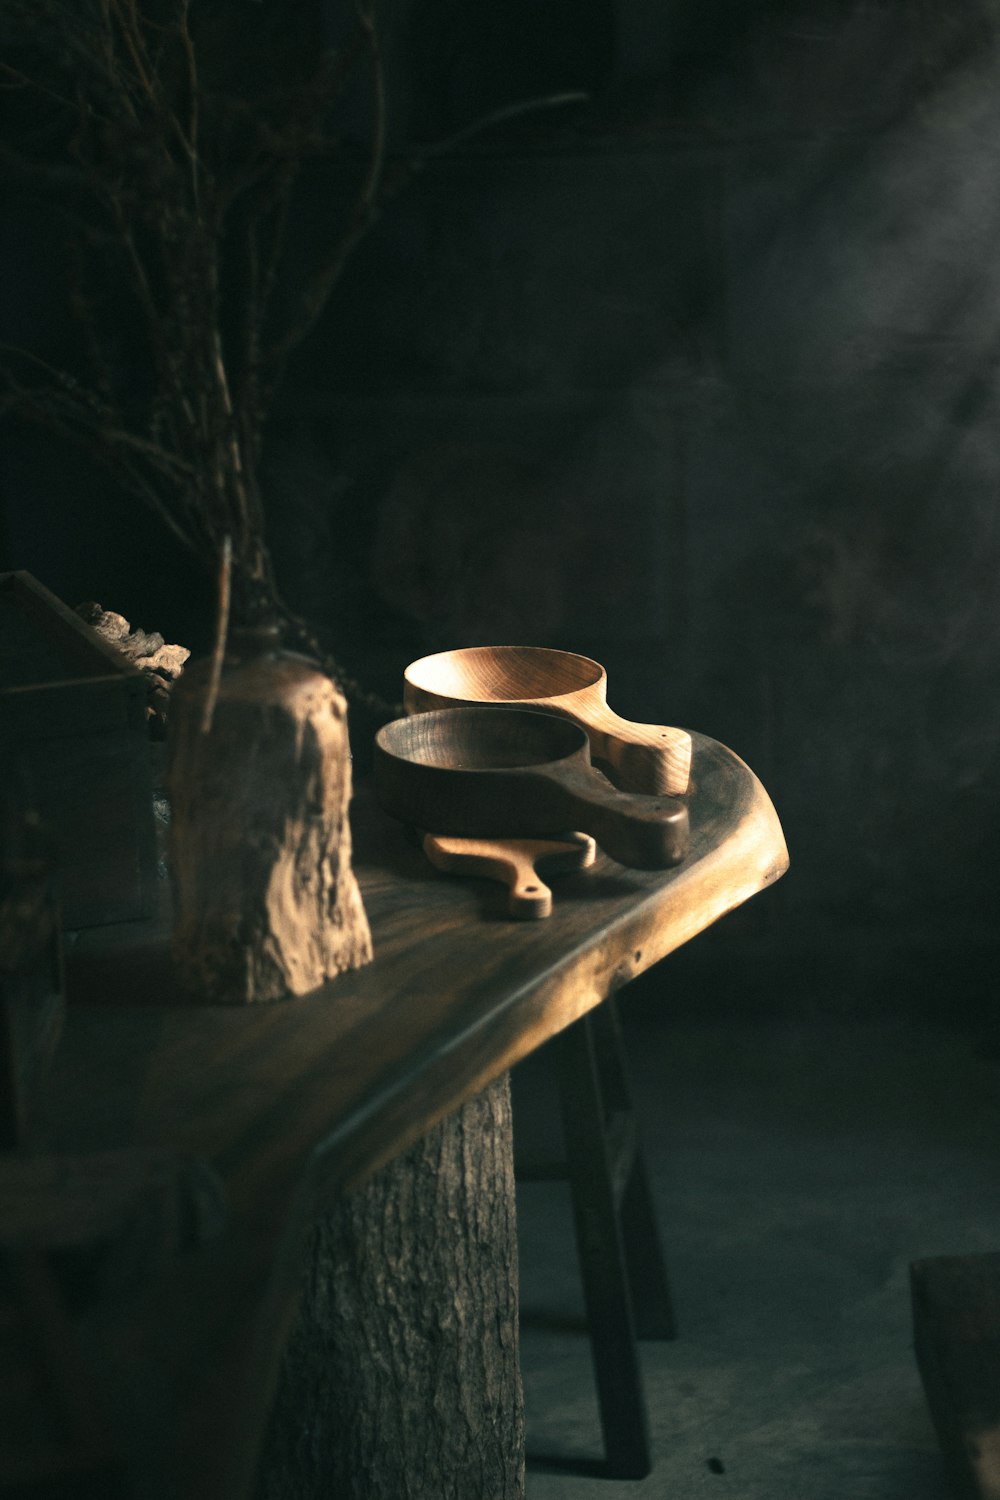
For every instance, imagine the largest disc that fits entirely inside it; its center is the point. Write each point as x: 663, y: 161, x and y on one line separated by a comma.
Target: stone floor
x: 799, y: 1165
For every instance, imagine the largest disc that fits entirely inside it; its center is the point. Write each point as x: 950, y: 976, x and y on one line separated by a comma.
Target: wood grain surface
x: 294, y: 1102
x: 641, y: 757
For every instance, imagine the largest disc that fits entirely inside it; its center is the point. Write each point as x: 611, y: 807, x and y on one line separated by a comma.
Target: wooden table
x: 294, y: 1102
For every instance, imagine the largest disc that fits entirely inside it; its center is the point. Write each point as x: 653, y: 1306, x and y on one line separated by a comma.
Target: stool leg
x: 647, y: 1271
x: 617, y: 1372
x: 651, y: 1301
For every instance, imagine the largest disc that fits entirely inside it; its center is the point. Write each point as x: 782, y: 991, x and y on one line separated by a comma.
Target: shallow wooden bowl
x: 509, y: 772
x: 642, y: 757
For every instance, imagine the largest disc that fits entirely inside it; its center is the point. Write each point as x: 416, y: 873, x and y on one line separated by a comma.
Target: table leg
x: 402, y: 1376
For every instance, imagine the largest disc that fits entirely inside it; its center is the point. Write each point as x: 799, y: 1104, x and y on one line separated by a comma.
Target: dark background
x: 700, y: 379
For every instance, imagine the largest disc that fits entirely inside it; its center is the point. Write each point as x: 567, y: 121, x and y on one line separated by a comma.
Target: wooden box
x: 73, y: 732
x: 32, y: 986
x: 85, y: 1242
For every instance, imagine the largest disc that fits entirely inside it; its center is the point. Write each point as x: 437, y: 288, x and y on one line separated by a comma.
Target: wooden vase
x: 266, y: 904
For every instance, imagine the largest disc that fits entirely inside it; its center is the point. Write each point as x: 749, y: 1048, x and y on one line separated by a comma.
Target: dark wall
x: 699, y: 379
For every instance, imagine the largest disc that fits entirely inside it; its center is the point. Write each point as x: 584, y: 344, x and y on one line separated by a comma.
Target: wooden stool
x: 625, y: 1285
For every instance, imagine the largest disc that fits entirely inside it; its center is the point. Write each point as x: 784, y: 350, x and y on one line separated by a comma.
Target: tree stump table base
x: 402, y: 1375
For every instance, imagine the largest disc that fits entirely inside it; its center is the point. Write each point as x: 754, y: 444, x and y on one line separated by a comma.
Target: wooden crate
x: 57, y: 1441
x: 32, y: 984
x: 73, y: 730
x: 85, y: 1240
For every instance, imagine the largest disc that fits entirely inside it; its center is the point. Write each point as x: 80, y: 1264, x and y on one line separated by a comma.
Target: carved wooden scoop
x: 643, y: 757
x: 502, y: 772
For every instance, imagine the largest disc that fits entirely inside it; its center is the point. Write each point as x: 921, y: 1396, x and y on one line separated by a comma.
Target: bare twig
x: 66, y: 400
x: 504, y: 116
x: 317, y: 291
x: 221, y: 633
x: 164, y: 167
x: 18, y: 80
x: 187, y: 46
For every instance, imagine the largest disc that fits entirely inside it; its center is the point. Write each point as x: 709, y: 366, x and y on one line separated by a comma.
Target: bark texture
x: 402, y: 1379
x: 266, y: 903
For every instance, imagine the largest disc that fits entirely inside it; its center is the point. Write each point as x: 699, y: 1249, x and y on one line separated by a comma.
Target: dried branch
x: 179, y: 168
x: 224, y: 594
x: 64, y: 406
x: 374, y: 193
x: 519, y: 110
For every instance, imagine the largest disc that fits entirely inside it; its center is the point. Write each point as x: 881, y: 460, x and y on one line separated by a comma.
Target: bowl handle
x: 651, y: 758
x: 643, y: 832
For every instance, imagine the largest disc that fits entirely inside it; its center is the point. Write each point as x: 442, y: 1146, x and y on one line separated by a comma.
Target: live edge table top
x: 294, y: 1101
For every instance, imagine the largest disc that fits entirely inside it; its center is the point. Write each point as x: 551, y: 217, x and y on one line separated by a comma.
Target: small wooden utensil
x: 502, y: 772
x: 515, y: 862
x: 644, y: 757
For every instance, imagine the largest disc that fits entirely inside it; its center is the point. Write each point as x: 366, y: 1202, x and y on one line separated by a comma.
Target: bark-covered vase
x: 266, y: 903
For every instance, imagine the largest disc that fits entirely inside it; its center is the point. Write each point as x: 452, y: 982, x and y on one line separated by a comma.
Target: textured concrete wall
x: 701, y: 380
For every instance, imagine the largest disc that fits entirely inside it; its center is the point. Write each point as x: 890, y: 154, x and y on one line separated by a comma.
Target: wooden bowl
x: 642, y: 757
x: 509, y: 772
